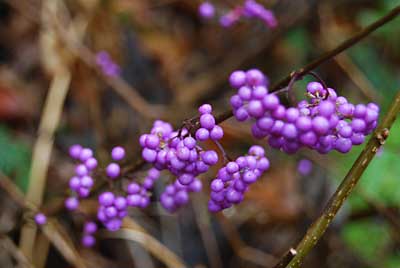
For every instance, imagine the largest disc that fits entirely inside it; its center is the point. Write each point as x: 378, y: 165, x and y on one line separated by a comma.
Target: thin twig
x: 7, y: 244
x: 241, y: 249
x: 43, y: 148
x: 149, y: 243
x: 286, y: 259
x: 327, y: 56
x: 320, y: 225
x: 120, y: 86
x: 53, y: 230
x: 50, y: 118
x: 203, y: 221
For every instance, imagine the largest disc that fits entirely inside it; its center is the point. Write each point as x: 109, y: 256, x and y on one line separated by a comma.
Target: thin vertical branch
x: 49, y: 122
x: 42, y: 150
x: 318, y: 228
x: 203, y: 221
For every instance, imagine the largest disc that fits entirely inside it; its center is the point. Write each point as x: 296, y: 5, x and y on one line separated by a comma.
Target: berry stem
x: 326, y: 56
x: 224, y: 154
x: 318, y: 228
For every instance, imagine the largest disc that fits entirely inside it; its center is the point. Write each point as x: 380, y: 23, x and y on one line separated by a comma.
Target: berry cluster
x: 176, y: 194
x: 107, y: 65
x: 208, y: 129
x: 249, y: 9
x: 88, y: 240
x: 82, y: 182
x: 323, y: 123
x: 179, y: 153
x: 138, y: 196
x: 112, y: 209
x: 113, y: 170
x: 234, y: 178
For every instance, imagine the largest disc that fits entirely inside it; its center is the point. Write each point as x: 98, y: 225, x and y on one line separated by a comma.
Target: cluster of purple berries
x: 107, y: 65
x: 82, y: 182
x: 112, y: 210
x: 324, y: 123
x: 176, y: 194
x: 234, y: 178
x: 249, y: 9
x: 138, y: 196
x: 89, y: 229
x: 179, y: 153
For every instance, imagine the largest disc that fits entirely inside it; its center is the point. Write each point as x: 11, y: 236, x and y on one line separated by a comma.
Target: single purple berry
x: 205, y: 109
x: 71, y: 203
x: 75, y: 151
x: 217, y: 185
x: 90, y: 227
x: 270, y: 102
x: 216, y: 133
x: 202, y: 134
x: 40, y: 219
x: 81, y: 170
x: 304, y: 167
x: 74, y: 183
x: 207, y: 121
x: 255, y: 77
x: 113, y: 170
x: 210, y: 157
x: 206, y: 10
x: 91, y: 163
x: 152, y: 141
x: 244, y: 93
x: 149, y: 155
x: 86, y: 153
x: 88, y: 241
x: 237, y: 79
x: 86, y: 181
x: 117, y: 153
x: 120, y: 203
x: 106, y: 199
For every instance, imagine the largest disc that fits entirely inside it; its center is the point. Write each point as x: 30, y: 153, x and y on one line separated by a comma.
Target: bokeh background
x: 176, y: 61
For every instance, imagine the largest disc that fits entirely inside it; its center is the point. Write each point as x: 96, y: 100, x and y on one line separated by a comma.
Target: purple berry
x: 88, y: 241
x: 205, y: 109
x: 304, y: 167
x: 91, y: 163
x: 117, y: 153
x: 206, y: 10
x: 75, y: 151
x: 216, y: 133
x: 237, y: 79
x: 81, y: 170
x: 106, y: 199
x: 113, y: 170
x: 40, y: 219
x: 71, y: 203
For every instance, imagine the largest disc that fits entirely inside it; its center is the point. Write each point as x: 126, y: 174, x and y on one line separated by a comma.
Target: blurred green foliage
x: 369, y: 240
x: 14, y: 158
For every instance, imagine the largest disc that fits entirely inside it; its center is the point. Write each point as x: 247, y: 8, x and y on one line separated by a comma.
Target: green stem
x: 318, y: 228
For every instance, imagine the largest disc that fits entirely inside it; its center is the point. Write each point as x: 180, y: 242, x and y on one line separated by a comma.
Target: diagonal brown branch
x: 318, y: 228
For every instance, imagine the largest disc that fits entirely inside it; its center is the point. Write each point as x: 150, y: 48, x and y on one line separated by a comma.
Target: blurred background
x: 171, y: 61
